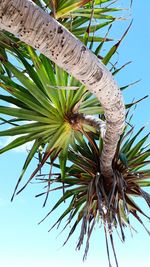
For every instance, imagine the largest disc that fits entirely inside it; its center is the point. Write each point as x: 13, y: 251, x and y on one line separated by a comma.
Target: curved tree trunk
x: 35, y: 27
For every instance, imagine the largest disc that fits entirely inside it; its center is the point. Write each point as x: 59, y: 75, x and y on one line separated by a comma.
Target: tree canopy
x: 72, y: 133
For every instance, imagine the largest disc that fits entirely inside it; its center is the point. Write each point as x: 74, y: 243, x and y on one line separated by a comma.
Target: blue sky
x: 22, y: 241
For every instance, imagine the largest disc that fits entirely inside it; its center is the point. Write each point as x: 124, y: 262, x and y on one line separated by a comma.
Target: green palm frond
x: 45, y: 105
x: 45, y: 113
x: 62, y: 9
x: 83, y: 18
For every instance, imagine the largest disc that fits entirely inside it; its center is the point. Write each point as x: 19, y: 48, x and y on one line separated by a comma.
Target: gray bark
x: 97, y: 123
x: 35, y: 27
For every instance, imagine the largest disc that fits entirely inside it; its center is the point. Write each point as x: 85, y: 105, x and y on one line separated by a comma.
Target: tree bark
x: 35, y: 27
x: 97, y: 123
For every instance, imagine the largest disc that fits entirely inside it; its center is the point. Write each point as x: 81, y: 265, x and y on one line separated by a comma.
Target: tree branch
x: 35, y: 27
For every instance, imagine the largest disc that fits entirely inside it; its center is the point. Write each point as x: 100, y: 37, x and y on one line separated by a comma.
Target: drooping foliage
x: 92, y: 198
x: 66, y: 125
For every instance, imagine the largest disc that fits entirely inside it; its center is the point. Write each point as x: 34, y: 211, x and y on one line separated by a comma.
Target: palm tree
x: 58, y: 44
x: 60, y: 110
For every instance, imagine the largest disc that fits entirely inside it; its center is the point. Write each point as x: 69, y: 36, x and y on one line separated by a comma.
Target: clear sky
x: 23, y: 243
